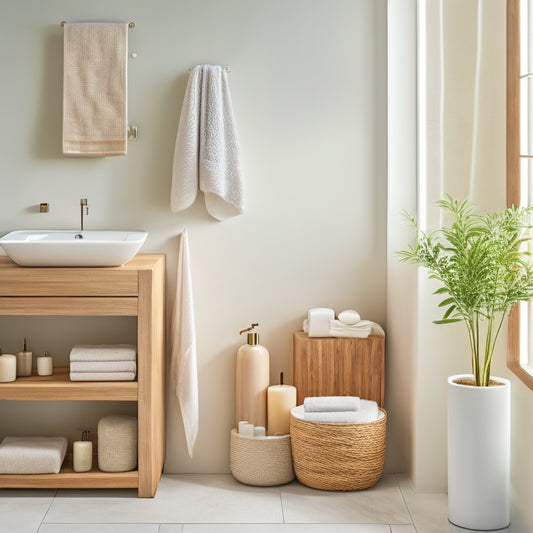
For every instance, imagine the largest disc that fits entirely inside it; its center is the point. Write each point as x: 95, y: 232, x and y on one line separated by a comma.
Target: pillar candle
x: 280, y: 400
x: 82, y: 454
x: 45, y: 365
x: 8, y: 368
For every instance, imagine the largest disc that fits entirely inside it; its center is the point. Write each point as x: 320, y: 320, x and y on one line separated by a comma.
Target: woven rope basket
x: 117, y: 443
x: 261, y: 462
x: 338, y: 456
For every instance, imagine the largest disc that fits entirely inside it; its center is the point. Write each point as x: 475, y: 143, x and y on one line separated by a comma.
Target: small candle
x: 280, y: 400
x: 259, y: 431
x: 82, y: 454
x: 8, y: 368
x: 246, y: 429
x: 45, y: 365
x: 24, y: 362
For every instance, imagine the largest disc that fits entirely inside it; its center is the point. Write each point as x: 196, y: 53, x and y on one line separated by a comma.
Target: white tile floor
x: 198, y: 503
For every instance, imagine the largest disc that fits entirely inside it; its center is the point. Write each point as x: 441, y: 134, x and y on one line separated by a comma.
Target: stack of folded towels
x: 103, y: 362
x: 321, y: 322
x: 330, y: 409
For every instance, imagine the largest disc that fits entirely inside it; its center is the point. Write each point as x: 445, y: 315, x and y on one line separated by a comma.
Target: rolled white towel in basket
x: 331, y: 403
x: 368, y: 412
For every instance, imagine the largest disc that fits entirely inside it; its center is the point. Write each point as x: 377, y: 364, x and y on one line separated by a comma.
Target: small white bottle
x: 82, y: 453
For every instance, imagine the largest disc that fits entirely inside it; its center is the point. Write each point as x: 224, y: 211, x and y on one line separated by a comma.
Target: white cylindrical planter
x: 479, y: 447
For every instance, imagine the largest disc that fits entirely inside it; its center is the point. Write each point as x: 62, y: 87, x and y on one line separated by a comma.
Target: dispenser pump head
x: 253, y: 337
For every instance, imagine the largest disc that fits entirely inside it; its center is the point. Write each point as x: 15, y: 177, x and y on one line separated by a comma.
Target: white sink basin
x: 72, y: 248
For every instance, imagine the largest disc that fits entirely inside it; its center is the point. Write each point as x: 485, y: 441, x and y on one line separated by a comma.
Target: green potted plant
x: 482, y: 264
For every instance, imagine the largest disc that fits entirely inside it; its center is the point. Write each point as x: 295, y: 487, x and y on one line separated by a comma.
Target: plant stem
x: 474, y: 348
x: 489, y: 349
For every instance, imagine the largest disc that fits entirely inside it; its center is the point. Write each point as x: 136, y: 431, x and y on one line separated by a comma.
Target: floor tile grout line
x: 405, y: 503
x: 46, y: 512
x: 281, y: 503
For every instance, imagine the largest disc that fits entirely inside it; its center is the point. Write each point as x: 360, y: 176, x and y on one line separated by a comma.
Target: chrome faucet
x: 84, y: 210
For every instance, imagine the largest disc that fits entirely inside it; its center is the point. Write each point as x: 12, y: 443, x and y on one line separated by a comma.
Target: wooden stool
x: 339, y: 366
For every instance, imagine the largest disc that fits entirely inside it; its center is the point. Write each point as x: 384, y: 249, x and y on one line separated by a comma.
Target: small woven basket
x: 338, y: 456
x: 262, y: 462
x: 117, y: 443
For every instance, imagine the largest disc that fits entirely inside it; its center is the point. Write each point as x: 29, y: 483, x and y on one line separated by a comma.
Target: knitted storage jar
x: 117, y: 443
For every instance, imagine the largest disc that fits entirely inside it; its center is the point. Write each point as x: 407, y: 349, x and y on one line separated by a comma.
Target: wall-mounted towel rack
x: 130, y: 25
x: 227, y: 69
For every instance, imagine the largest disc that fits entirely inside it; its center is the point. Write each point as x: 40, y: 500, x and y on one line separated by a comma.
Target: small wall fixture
x: 132, y: 133
x: 44, y: 208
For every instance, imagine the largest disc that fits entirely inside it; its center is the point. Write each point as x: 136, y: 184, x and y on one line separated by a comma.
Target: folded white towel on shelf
x: 206, y: 154
x: 32, y: 455
x: 95, y: 89
x: 318, y: 321
x: 377, y: 329
x: 103, y: 366
x: 331, y: 403
x: 368, y: 412
x: 103, y: 352
x: 102, y: 376
x: 361, y: 329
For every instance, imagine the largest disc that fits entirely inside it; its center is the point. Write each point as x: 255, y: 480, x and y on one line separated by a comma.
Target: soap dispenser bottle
x: 252, y: 380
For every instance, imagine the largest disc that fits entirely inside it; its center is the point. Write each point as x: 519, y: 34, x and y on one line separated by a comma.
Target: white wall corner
x: 401, y: 278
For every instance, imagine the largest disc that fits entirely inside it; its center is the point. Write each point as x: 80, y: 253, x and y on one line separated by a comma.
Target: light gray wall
x: 308, y: 81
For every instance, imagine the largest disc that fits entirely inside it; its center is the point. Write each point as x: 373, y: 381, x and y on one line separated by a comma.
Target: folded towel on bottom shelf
x: 103, y: 366
x: 331, y: 403
x: 368, y: 412
x: 102, y: 376
x: 32, y: 455
x: 103, y: 352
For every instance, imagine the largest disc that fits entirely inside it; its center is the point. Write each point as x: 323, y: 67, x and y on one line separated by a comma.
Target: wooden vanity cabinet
x: 135, y: 289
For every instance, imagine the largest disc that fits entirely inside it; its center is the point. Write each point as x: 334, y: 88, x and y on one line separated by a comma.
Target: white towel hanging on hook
x: 206, y: 155
x: 183, y: 365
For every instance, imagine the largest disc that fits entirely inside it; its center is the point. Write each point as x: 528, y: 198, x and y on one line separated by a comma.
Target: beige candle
x: 280, y: 400
x: 8, y: 368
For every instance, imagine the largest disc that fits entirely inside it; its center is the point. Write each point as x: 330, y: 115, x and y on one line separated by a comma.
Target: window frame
x: 516, y: 330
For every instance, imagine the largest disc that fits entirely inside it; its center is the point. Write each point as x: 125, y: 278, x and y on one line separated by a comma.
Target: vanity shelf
x: 59, y: 387
x: 135, y: 289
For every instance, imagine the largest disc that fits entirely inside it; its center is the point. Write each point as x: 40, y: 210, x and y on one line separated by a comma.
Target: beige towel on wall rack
x: 95, y: 89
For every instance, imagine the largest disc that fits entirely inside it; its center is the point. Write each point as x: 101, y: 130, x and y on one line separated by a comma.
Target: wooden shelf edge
x: 68, y: 479
x: 59, y: 387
